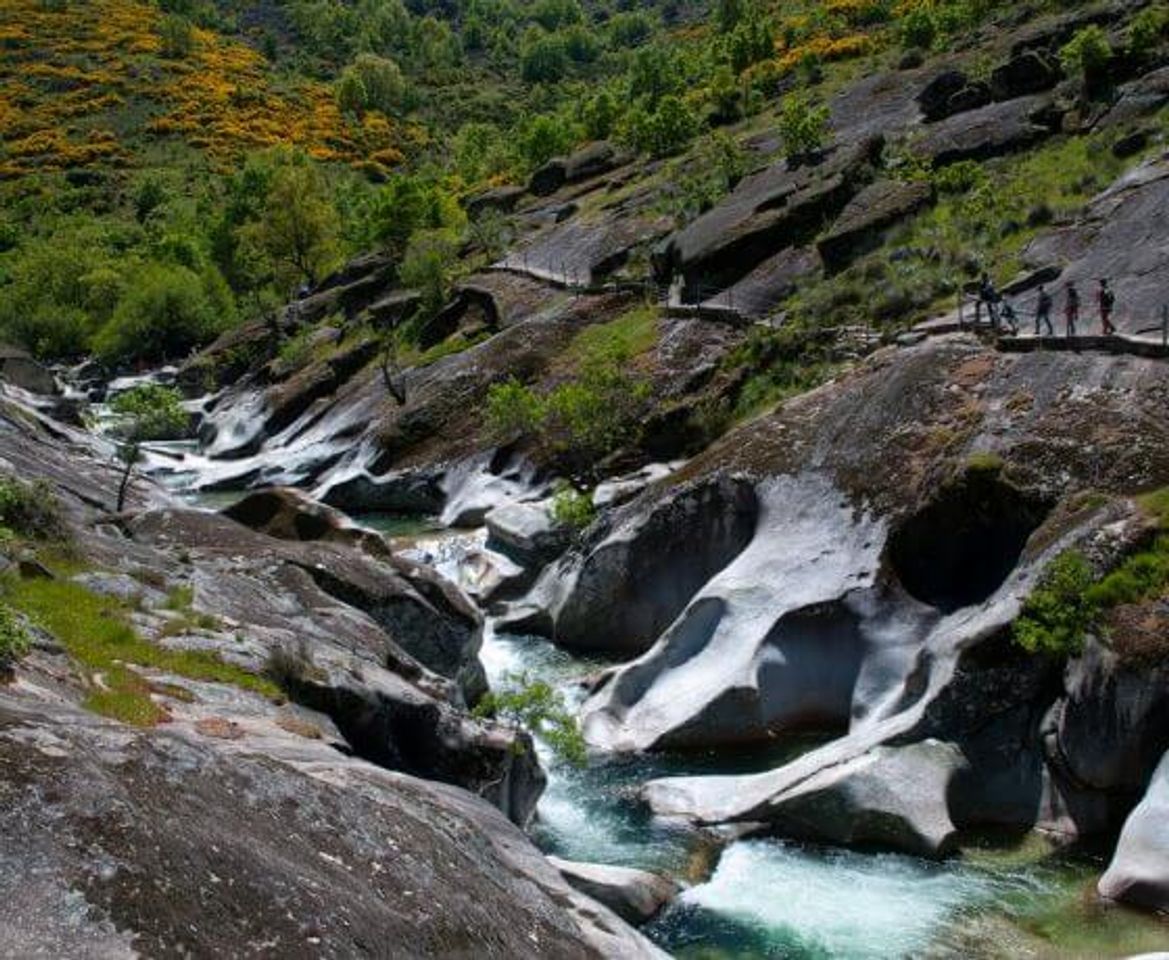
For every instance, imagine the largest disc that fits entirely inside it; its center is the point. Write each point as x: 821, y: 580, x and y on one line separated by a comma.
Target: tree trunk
x: 124, y: 487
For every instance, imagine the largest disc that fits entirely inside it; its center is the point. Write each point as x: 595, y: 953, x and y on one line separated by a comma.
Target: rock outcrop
x: 210, y: 838
x: 634, y: 895
x: 849, y: 610
x: 1139, y: 872
x: 617, y: 595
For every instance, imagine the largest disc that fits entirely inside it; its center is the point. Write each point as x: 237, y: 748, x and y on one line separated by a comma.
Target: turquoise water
x: 773, y: 899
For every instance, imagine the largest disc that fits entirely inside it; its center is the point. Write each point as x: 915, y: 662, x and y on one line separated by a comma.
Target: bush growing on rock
x: 1087, y: 55
x: 15, y: 642
x: 802, y: 126
x: 151, y: 412
x: 535, y: 706
x: 29, y: 510
x: 571, y: 508
x: 579, y: 422
x: 1060, y: 612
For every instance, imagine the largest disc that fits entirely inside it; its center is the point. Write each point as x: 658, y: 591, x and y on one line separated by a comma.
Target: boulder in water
x: 1139, y: 872
x: 634, y: 895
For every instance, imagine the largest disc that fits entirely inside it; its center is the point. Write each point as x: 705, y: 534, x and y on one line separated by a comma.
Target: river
x: 757, y: 898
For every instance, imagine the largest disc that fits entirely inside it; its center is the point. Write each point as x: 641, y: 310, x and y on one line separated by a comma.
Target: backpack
x: 1107, y: 299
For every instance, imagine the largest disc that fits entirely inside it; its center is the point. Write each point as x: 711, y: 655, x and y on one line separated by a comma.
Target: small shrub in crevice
x: 15, y: 643
x: 29, y: 510
x: 1060, y: 612
x: 536, y: 707
x: 571, y: 508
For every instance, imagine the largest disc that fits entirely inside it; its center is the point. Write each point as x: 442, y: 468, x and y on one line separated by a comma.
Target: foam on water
x: 796, y: 902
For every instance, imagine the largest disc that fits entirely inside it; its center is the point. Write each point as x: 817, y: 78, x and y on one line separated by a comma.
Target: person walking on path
x: 1072, y: 308
x: 1107, y: 301
x: 989, y: 296
x: 1043, y: 311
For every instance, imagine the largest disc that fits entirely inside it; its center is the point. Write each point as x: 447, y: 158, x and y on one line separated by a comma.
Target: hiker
x: 1072, y: 308
x: 1043, y: 311
x: 988, y: 295
x: 1010, y: 318
x: 1107, y: 300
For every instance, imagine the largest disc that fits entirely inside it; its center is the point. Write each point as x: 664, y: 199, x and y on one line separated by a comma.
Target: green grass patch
x: 629, y: 335
x: 97, y: 634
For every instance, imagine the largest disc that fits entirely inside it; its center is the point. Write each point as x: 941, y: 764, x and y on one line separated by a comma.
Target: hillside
x: 579, y: 478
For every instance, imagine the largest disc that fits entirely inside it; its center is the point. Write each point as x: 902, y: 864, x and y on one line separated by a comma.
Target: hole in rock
x: 962, y: 546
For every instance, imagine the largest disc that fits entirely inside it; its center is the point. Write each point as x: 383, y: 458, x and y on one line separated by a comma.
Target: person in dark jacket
x: 1072, y: 308
x: 1043, y: 311
x: 1106, y: 300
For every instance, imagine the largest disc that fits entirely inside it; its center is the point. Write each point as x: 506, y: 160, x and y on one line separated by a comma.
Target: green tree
x: 543, y: 138
x: 535, y: 706
x: 166, y: 311
x: 298, y: 226
x: 543, y: 56
x: 426, y: 267
x: 600, y: 115
x: 371, y: 83
x: 802, y: 126
x: 148, y: 412
x: 406, y: 204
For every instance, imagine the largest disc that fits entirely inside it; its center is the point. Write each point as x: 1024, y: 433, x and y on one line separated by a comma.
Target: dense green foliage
x: 29, y: 511
x: 15, y: 643
x: 571, y: 508
x: 538, y: 708
x: 150, y: 412
x: 1060, y: 611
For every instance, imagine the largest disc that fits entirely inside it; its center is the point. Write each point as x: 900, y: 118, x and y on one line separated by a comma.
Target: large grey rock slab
x: 773, y: 642
x: 990, y: 131
x: 526, y: 532
x: 634, y: 895
x: 1119, y: 237
x: 617, y: 594
x: 780, y: 206
x: 1139, y: 871
x: 893, y: 798
x: 872, y: 211
x: 120, y: 842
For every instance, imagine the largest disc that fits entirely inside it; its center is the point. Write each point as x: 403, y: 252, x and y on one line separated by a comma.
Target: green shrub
x: 959, y: 178
x: 1087, y: 54
x: 1147, y: 30
x: 167, y: 311
x: 29, y: 510
x: 151, y: 412
x: 571, y: 508
x: 802, y: 126
x: 1061, y: 611
x: 513, y: 411
x: 15, y: 643
x: 371, y: 83
x: 534, y: 706
x: 1139, y: 577
x: 177, y: 36
x: 665, y: 130
x: 919, y: 28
